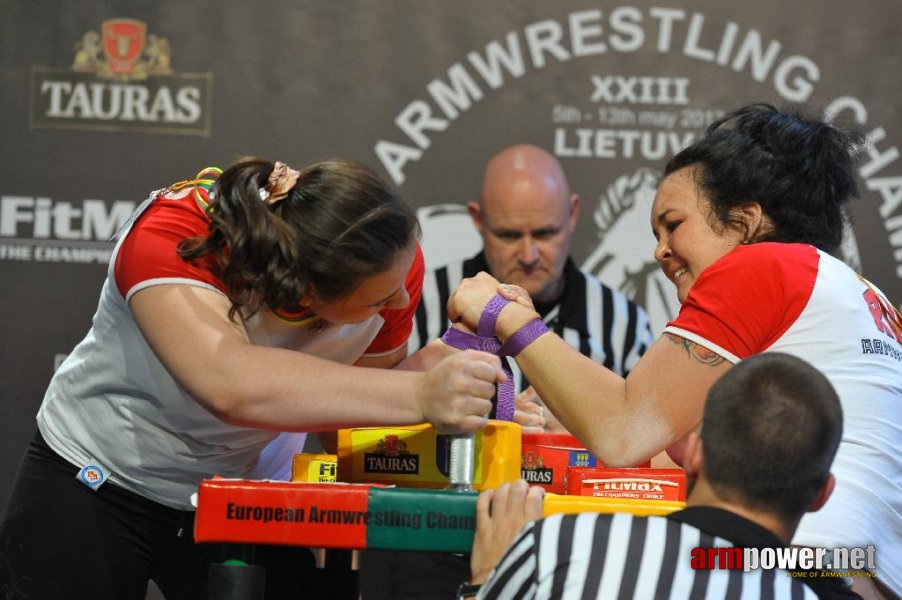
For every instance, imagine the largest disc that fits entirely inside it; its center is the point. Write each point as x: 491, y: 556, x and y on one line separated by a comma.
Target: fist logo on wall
x: 620, y: 259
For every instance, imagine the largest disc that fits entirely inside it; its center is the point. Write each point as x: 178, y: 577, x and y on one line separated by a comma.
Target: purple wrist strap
x: 485, y: 340
x: 489, y: 316
x: 467, y: 341
x: 522, y: 338
x: 504, y: 409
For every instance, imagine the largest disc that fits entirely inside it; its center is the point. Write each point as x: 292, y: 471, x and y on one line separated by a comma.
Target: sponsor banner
x: 121, y: 80
x: 271, y: 512
x: 358, y: 516
x: 334, y: 515
x: 40, y: 229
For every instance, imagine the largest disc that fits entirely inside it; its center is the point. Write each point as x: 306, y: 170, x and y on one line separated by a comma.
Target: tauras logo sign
x: 391, y: 456
x: 121, y: 80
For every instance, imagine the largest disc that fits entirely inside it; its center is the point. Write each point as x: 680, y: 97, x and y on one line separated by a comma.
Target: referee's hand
x: 500, y: 516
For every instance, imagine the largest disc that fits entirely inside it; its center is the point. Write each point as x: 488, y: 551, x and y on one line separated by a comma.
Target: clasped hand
x: 473, y: 294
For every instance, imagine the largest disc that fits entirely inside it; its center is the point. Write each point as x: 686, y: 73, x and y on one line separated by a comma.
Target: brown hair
x: 339, y: 224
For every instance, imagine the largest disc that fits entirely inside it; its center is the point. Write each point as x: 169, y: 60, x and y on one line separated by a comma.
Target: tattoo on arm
x: 699, y: 353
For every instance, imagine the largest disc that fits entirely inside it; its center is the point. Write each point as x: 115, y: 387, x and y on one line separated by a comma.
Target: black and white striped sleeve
x: 591, y: 555
x: 515, y: 575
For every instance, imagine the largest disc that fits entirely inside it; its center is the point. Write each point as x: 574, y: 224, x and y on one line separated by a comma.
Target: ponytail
x: 276, y: 234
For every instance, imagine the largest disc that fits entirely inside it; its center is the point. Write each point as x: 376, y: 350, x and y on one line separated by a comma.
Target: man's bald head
x: 526, y: 216
x: 523, y: 166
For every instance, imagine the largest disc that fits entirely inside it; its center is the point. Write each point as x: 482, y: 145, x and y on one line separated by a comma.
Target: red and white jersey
x: 793, y: 298
x: 113, y: 403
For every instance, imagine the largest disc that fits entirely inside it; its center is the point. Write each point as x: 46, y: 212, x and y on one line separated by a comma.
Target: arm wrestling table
x: 356, y: 515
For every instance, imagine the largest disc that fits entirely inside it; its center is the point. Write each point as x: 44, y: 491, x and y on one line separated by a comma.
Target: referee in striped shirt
x: 771, y: 428
x: 526, y: 217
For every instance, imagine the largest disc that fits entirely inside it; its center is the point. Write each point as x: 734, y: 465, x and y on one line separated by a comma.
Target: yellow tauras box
x: 418, y: 455
x: 314, y: 468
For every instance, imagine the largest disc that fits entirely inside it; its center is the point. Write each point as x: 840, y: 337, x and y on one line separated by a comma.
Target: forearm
x: 277, y: 389
x: 590, y: 401
x: 623, y: 422
x: 211, y: 356
x: 586, y: 398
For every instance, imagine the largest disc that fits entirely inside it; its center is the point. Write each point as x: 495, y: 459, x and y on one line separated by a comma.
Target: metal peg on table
x: 461, y: 462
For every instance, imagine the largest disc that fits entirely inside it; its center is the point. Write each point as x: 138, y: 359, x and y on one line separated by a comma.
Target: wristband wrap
x: 523, y: 337
x: 467, y: 341
x: 486, y: 341
x: 489, y: 316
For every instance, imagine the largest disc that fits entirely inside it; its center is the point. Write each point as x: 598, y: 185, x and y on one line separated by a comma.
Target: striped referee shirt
x: 599, y: 322
x: 620, y: 556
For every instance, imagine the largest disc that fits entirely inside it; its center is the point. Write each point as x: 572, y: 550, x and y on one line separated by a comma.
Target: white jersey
x: 795, y: 299
x: 113, y: 404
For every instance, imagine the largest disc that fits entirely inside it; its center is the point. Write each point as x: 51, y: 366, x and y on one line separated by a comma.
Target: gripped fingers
x: 475, y: 357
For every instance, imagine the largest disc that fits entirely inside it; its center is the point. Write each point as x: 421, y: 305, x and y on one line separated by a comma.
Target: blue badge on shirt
x: 93, y: 476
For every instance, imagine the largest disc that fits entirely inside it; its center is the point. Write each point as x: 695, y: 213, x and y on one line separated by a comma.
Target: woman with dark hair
x: 746, y: 218
x: 241, y: 308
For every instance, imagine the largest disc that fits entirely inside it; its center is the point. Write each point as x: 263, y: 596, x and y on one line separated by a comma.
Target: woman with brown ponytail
x: 241, y: 308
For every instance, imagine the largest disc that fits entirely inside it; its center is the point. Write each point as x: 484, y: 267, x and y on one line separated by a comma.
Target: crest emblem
x: 122, y: 51
x: 531, y: 460
x: 391, y: 445
x: 123, y: 41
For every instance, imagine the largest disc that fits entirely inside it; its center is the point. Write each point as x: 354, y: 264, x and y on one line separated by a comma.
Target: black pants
x: 59, y: 540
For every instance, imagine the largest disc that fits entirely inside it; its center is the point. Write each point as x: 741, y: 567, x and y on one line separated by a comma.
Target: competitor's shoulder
x: 767, y: 254
x: 778, y: 265
x: 174, y: 211
x: 149, y: 249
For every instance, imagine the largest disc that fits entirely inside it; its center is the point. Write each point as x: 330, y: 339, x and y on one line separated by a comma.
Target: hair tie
x: 280, y: 182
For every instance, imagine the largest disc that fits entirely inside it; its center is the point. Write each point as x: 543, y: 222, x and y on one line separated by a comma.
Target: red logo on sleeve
x: 886, y: 318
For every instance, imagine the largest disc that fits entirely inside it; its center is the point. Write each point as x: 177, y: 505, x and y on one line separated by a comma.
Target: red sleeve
x: 399, y: 323
x: 149, y: 249
x: 746, y: 301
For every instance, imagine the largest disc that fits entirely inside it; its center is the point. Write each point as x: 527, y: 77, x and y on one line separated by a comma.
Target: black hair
x: 338, y: 225
x: 798, y: 168
x: 770, y: 431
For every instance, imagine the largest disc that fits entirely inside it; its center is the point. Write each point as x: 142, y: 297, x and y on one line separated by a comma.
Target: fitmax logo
x: 43, y: 219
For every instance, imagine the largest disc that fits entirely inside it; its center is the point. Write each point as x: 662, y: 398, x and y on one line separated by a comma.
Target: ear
x: 574, y: 211
x: 475, y: 214
x: 823, y: 495
x: 753, y: 219
x: 693, y: 455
